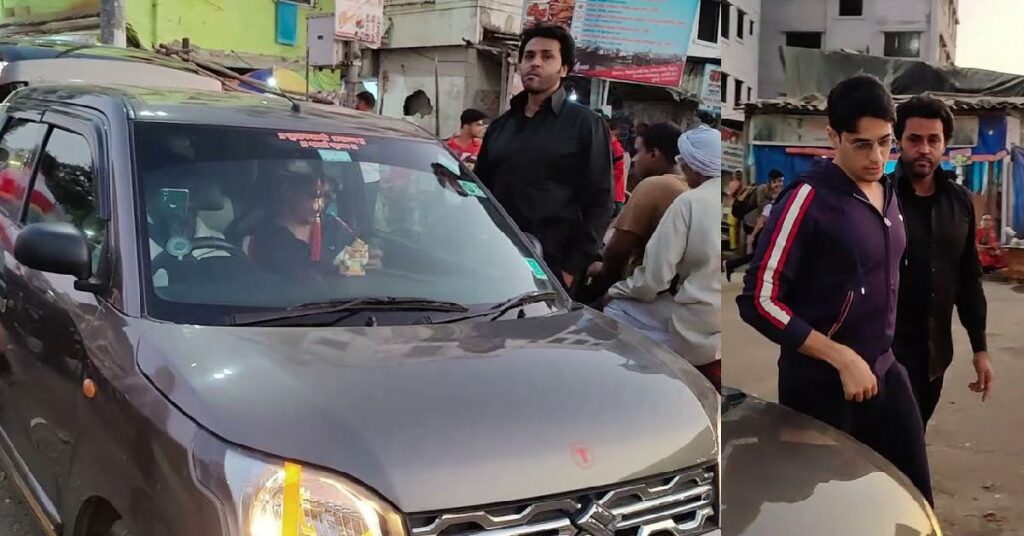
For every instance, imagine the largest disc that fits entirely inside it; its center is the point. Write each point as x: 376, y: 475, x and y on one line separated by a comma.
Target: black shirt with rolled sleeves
x: 552, y: 174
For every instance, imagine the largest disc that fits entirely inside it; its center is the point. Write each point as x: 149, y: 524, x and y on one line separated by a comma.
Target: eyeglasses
x: 866, y: 146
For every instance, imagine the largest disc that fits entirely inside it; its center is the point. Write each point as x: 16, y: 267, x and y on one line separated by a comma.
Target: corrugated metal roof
x: 816, y: 103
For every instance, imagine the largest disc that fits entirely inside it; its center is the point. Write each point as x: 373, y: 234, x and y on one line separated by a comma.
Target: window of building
x: 751, y: 32
x: 903, y: 44
x: 707, y: 27
x: 750, y: 93
x: 737, y: 98
x: 725, y: 19
x: 851, y: 8
x: 725, y: 87
x: 740, y: 16
x: 803, y: 39
x: 19, y: 147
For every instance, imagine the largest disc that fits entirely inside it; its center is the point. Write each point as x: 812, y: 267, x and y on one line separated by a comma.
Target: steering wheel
x: 164, y: 259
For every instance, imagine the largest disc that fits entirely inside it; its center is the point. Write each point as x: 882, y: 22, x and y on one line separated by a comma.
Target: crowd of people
x: 647, y: 255
x: 632, y: 232
x: 853, y: 272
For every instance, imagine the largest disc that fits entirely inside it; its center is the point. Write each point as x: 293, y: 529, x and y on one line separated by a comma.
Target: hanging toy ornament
x: 354, y: 259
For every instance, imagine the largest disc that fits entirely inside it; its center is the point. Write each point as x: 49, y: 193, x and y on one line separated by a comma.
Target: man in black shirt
x: 941, y: 267
x: 548, y: 160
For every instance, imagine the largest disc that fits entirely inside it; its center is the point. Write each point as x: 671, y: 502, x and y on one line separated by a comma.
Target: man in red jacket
x: 618, y: 167
x: 466, y: 143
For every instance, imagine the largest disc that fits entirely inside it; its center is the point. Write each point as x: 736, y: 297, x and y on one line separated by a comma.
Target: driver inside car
x: 299, y: 237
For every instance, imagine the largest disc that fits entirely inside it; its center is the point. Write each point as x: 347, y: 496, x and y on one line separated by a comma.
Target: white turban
x: 701, y: 149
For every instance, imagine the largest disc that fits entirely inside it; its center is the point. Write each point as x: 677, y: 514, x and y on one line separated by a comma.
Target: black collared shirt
x: 553, y: 174
x: 945, y: 234
x: 916, y: 274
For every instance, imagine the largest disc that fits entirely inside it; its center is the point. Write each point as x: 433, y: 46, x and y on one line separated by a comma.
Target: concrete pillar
x: 113, y: 28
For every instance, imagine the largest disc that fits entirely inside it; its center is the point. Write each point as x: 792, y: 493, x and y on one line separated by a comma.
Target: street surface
x: 977, y: 458
x: 16, y: 518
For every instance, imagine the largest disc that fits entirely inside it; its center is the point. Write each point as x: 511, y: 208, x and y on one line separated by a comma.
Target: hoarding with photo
x: 639, y: 41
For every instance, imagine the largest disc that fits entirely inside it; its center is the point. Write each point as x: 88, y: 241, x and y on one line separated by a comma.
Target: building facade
x: 436, y: 57
x: 740, y: 32
x: 702, y: 76
x: 791, y: 135
x: 910, y: 29
x: 439, y: 58
x: 242, y: 34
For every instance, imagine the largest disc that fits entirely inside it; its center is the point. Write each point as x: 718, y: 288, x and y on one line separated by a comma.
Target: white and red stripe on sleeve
x: 766, y: 292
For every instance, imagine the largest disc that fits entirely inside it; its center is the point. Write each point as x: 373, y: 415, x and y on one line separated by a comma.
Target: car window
x: 64, y: 188
x: 19, y: 146
x: 240, y: 219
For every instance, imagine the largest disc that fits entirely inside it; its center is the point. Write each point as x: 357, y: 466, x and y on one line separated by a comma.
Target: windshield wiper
x: 340, y: 306
x: 499, y: 309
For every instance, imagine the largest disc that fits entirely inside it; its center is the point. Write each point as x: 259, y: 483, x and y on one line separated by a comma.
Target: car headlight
x: 271, y: 497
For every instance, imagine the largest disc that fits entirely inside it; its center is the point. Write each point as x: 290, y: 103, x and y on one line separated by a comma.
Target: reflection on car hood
x: 785, y: 474
x: 445, y: 416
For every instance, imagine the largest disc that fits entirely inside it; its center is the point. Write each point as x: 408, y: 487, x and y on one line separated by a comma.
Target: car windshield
x: 239, y: 220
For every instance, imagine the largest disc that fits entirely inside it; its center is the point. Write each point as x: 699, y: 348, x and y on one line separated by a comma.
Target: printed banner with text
x: 641, y: 41
x: 359, y: 20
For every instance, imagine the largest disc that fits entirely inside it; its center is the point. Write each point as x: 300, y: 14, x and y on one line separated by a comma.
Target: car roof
x: 104, y: 71
x: 220, y: 108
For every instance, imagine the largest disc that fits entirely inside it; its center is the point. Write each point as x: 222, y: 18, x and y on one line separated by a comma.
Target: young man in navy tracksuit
x: 824, y: 283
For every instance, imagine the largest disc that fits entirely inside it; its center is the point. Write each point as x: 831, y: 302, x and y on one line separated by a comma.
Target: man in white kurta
x: 687, y: 246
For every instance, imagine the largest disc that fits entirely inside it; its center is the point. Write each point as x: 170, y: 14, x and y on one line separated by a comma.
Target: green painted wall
x: 240, y: 25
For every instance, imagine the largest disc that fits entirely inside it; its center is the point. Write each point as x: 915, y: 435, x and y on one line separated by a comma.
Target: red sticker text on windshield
x: 323, y: 141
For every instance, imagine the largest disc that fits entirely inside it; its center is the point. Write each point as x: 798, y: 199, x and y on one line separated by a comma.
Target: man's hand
x: 595, y: 269
x: 568, y: 278
x: 859, y: 383
x: 983, y: 367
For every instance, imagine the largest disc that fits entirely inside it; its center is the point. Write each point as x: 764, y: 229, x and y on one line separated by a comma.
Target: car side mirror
x: 535, y: 245
x: 57, y: 248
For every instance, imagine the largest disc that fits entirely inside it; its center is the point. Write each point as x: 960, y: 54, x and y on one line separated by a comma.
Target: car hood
x: 784, y: 473
x: 445, y: 416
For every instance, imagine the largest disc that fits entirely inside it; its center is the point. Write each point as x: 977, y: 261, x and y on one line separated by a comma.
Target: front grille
x: 683, y: 504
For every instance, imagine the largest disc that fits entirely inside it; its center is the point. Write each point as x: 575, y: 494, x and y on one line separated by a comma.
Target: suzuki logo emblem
x: 596, y: 520
x: 582, y: 456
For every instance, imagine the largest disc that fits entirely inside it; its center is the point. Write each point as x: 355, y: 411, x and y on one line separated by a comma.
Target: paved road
x: 16, y: 518
x: 976, y: 450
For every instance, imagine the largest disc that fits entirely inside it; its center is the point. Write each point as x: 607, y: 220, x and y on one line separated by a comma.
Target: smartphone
x: 175, y: 202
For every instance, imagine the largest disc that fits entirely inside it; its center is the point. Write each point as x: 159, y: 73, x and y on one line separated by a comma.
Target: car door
x: 48, y: 313
x: 21, y: 143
